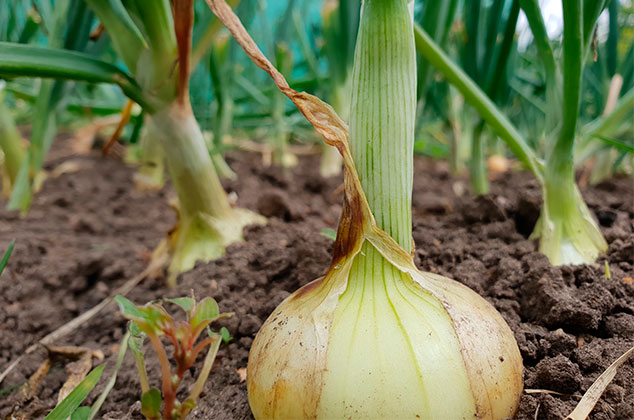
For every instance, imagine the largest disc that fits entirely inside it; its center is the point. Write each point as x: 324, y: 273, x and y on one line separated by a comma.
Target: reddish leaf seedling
x: 152, y: 321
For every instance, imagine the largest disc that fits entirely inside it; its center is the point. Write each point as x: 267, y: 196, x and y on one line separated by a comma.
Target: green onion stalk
x: 331, y: 161
x: 151, y: 172
x: 375, y: 338
x: 151, y: 38
x: 220, y: 72
x: 12, y: 148
x: 335, y: 26
x: 566, y: 230
x: 281, y: 130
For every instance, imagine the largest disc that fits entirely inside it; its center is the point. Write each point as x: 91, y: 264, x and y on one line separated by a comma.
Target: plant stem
x: 479, y: 181
x: 568, y: 234
x: 383, y: 113
x: 207, y: 39
x: 331, y: 160
x: 125, y: 35
x: 204, y: 373
x: 281, y: 130
x: 551, y: 68
x: 10, y: 144
x: 140, y: 366
x: 220, y: 74
x: 479, y: 100
x: 169, y: 393
x: 206, y: 223
x: 189, y: 164
x: 561, y: 158
x: 612, y: 119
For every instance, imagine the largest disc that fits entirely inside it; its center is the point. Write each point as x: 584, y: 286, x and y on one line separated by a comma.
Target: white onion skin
x: 305, y: 363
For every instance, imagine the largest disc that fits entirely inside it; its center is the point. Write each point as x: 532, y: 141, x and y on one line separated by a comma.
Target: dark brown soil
x: 91, y: 230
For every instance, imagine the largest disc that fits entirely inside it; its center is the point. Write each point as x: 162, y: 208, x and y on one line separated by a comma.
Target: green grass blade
x: 251, y: 89
x: 77, y: 396
x: 5, y: 257
x: 34, y: 61
x: 113, y: 379
x: 81, y: 413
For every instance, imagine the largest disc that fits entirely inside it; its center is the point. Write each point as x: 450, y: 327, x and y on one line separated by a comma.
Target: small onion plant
x: 566, y: 230
x: 153, y: 39
x: 375, y: 338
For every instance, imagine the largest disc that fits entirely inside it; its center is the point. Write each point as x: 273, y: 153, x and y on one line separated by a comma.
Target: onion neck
x: 191, y: 170
x: 383, y: 113
x: 567, y: 232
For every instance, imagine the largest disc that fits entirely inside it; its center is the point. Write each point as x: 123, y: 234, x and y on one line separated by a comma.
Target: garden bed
x: 90, y: 230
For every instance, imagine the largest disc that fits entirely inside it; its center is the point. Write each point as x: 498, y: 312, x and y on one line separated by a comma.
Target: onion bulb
x: 375, y: 338
x: 386, y: 342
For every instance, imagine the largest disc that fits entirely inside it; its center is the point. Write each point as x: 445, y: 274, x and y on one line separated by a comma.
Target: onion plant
x: 376, y: 338
x: 68, y: 26
x: 340, y: 24
x: 153, y: 39
x: 566, y: 230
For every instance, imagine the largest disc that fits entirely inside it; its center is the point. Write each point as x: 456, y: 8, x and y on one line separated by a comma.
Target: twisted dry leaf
x: 592, y: 395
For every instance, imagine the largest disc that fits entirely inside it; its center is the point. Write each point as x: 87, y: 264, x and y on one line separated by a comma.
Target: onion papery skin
x: 384, y: 343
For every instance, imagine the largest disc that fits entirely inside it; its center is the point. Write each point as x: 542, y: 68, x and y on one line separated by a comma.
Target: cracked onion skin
x: 423, y: 347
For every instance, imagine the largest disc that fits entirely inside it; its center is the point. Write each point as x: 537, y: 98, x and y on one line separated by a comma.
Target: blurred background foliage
x: 312, y: 42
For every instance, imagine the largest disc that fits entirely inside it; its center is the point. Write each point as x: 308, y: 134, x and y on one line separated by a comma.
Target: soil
x: 90, y: 230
